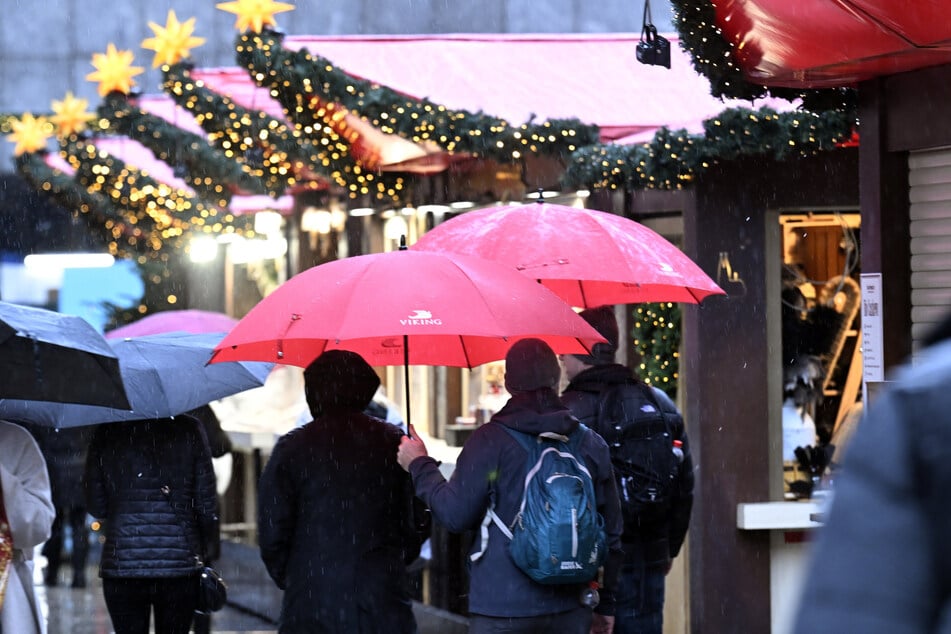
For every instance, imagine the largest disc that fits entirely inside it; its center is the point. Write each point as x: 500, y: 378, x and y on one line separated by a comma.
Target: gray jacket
x: 881, y: 564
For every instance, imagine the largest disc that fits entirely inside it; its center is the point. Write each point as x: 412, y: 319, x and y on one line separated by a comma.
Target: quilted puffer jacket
x: 153, y: 485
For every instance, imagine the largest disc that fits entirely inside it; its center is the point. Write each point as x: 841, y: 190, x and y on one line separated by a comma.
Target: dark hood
x: 536, y: 412
x: 595, y: 378
x: 339, y: 379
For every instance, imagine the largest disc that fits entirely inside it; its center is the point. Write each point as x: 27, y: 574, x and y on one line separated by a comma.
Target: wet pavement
x: 83, y: 610
x: 253, y: 600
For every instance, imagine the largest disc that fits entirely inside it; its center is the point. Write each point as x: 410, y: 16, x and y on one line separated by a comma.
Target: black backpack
x: 640, y: 436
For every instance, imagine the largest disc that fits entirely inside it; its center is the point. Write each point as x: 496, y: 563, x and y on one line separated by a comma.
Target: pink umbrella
x: 405, y: 308
x: 588, y: 258
x: 189, y: 320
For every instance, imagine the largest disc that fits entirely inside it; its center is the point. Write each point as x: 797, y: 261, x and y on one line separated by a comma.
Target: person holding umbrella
x: 492, y: 469
x: 337, y: 519
x: 153, y: 484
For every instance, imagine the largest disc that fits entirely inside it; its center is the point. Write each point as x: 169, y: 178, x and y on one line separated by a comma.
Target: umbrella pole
x: 406, y: 380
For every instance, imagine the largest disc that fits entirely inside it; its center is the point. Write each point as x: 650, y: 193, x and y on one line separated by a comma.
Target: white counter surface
x: 778, y: 515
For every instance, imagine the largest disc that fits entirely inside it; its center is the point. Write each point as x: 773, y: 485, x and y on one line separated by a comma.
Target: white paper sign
x: 873, y: 359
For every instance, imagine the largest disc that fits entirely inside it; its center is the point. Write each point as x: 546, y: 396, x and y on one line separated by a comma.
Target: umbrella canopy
x: 405, y: 308
x: 588, y: 258
x: 43, y: 352
x: 189, y: 320
x: 164, y: 375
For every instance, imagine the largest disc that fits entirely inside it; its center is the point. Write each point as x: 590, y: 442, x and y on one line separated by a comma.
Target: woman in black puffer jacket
x: 153, y: 484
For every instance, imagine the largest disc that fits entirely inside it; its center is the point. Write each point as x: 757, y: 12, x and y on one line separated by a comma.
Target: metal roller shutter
x: 930, y: 196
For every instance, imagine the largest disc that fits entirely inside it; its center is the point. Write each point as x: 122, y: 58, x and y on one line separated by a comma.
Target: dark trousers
x: 577, y: 621
x: 53, y: 548
x: 130, y: 603
x: 640, y: 598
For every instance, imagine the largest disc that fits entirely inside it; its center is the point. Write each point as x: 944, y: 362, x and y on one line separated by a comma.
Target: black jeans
x: 131, y: 601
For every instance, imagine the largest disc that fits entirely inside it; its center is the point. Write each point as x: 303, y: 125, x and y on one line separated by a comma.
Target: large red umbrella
x: 405, y: 308
x: 588, y: 258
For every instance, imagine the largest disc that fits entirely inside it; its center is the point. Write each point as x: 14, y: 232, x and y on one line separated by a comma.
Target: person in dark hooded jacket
x: 493, y: 465
x: 649, y: 545
x: 153, y: 485
x: 337, y: 518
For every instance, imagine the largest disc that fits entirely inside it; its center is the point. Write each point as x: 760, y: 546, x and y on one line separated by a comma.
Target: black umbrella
x: 48, y: 356
x: 165, y: 375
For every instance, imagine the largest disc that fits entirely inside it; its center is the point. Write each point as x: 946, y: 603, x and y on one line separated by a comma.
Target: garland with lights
x: 104, y: 221
x: 656, y: 334
x: 208, y: 171
x: 715, y: 58
x: 296, y: 78
x: 172, y: 211
x: 276, y: 151
x: 674, y: 157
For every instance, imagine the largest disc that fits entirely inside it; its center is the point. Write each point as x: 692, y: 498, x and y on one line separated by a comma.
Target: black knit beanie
x: 603, y: 320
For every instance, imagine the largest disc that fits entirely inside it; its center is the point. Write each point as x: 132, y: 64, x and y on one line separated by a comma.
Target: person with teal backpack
x: 531, y: 569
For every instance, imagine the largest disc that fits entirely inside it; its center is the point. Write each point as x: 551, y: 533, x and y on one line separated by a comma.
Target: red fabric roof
x: 594, y: 78
x: 823, y: 43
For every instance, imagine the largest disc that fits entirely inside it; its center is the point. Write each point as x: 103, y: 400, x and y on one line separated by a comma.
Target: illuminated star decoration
x: 29, y: 133
x: 254, y: 14
x: 172, y: 42
x: 114, y: 71
x: 70, y: 115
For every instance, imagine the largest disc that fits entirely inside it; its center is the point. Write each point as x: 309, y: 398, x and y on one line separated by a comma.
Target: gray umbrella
x: 49, y: 356
x: 164, y: 375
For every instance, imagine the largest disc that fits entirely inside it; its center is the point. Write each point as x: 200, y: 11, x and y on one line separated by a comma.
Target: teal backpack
x: 557, y: 536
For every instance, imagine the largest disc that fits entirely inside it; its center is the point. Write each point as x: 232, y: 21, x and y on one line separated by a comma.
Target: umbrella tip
x: 403, y: 243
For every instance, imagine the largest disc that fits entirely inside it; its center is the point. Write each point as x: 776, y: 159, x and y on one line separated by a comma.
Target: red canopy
x: 824, y: 43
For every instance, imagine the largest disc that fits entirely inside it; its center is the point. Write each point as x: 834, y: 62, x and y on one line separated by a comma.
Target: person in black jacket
x: 493, y: 466
x: 337, y: 519
x: 153, y: 485
x: 649, y: 545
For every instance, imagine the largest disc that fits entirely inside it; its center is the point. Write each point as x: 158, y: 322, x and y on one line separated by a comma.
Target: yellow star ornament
x: 70, y: 115
x: 29, y: 133
x: 114, y: 71
x: 254, y: 14
x: 172, y: 42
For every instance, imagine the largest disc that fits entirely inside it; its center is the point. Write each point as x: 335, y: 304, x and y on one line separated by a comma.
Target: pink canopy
x: 593, y: 77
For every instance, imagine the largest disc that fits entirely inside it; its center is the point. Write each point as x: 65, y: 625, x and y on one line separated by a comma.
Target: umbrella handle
x: 406, y: 381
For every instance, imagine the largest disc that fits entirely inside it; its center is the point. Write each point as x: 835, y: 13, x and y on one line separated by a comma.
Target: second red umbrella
x: 588, y: 258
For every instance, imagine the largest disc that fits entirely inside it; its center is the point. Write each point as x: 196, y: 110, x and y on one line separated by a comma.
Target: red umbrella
x: 189, y: 320
x: 405, y: 308
x: 588, y: 258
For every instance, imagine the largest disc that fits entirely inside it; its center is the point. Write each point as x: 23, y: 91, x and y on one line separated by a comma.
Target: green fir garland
x: 656, y: 334
x: 674, y: 157
x: 213, y: 176
x: 294, y: 77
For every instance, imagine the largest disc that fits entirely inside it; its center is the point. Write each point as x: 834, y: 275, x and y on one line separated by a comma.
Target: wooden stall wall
x: 726, y: 361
